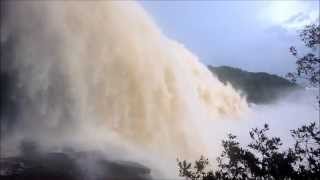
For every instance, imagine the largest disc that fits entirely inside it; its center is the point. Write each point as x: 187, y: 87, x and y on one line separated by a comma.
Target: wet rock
x: 75, y: 166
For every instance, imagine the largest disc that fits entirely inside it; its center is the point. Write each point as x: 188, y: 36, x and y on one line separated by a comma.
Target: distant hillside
x: 258, y: 87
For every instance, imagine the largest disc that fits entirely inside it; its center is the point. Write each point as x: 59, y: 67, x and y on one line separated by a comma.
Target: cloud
x: 301, y: 19
x: 297, y: 18
x: 281, y: 33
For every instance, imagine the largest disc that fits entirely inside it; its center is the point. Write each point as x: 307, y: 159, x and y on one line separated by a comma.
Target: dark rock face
x: 70, y: 166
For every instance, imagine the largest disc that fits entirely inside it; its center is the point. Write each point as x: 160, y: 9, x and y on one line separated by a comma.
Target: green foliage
x: 198, y: 171
x: 308, y: 65
x: 231, y: 164
x: 307, y: 148
x: 272, y: 162
x: 257, y: 87
x: 262, y: 158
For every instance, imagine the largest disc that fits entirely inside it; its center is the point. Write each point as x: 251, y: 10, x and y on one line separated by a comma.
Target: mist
x: 107, y: 80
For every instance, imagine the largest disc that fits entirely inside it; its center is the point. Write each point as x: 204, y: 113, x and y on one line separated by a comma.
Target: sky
x: 252, y: 35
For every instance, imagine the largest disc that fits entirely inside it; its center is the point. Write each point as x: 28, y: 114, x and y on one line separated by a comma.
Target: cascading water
x: 103, y: 69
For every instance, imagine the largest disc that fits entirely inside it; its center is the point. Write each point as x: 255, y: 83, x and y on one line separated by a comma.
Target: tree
x: 198, y: 171
x: 272, y: 163
x: 308, y: 65
x: 307, y: 150
x: 262, y: 158
x: 232, y: 162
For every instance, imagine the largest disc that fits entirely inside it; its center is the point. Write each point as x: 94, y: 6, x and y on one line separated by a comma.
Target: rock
x: 76, y: 166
